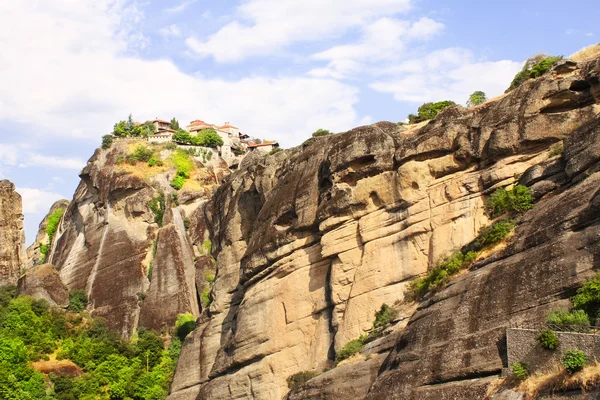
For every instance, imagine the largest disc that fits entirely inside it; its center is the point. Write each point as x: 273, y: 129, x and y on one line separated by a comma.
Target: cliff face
x: 12, y: 234
x: 310, y: 242
x: 109, y: 242
x: 34, y: 253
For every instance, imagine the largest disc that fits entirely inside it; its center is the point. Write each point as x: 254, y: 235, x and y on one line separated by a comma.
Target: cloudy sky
x: 278, y: 69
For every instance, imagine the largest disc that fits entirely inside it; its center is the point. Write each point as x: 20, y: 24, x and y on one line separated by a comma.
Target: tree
x: 175, y: 124
x: 107, y: 141
x: 209, y: 138
x: 321, y: 132
x: 428, y: 111
x: 534, y: 67
x: 478, y: 97
x: 182, y: 136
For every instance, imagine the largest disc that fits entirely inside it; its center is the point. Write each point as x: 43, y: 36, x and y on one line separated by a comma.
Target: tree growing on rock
x: 476, y: 98
x: 428, y: 111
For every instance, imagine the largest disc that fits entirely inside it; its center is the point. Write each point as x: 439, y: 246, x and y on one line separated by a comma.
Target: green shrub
x: 187, y: 223
x: 534, y: 67
x: 478, y: 97
x: 517, y: 200
x: 548, y: 339
x: 177, y: 182
x: 588, y: 297
x: 321, y: 132
x: 107, y: 141
x: 207, y: 246
x: 51, y: 228
x: 174, y: 125
x: 574, y: 360
x: 384, y: 316
x: 350, y: 349
x: 141, y: 154
x: 300, y: 378
x: 520, y: 370
x: 182, y: 136
x: 185, y: 324
x: 567, y: 319
x: 429, y: 110
x: 274, y: 151
x: 493, y: 234
x: 154, y: 161
x: 556, y: 149
x: 77, y: 301
x: 207, y: 138
x: 182, y: 162
x: 157, y: 206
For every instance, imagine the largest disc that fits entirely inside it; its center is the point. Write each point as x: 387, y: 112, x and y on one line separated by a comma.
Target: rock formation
x: 310, y: 242
x: 43, y: 282
x: 34, y: 254
x: 106, y: 241
x: 12, y: 234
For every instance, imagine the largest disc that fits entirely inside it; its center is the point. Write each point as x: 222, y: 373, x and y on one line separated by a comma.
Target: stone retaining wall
x: 523, y: 347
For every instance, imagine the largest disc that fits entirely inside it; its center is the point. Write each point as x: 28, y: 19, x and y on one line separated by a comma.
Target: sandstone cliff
x: 12, y: 234
x: 310, y: 242
x: 34, y: 253
x: 110, y: 242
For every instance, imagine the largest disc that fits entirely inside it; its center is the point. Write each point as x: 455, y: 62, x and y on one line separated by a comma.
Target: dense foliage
x: 107, y: 141
x: 567, y: 320
x: 130, y: 129
x: 574, y: 361
x: 490, y: 235
x: 517, y: 200
x: 534, y: 67
x: 321, y: 132
x: 174, y: 124
x: 51, y: 227
x: 184, y: 325
x: 520, y: 370
x: 184, y: 165
x: 77, y: 300
x: 205, y: 138
x: 476, y: 98
x: 140, y: 154
x: 428, y: 111
x: 111, y: 368
x: 548, y: 339
x: 587, y: 298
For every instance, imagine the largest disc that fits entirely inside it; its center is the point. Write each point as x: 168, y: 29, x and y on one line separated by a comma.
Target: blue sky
x: 277, y: 69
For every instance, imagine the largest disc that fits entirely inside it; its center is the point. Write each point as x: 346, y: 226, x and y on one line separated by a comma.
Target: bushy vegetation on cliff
x: 101, y: 364
x: 534, y: 67
x: 206, y: 138
x: 129, y: 128
x: 51, y: 227
x: 428, y: 111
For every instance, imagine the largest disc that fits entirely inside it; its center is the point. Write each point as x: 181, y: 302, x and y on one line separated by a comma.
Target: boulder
x: 43, y: 282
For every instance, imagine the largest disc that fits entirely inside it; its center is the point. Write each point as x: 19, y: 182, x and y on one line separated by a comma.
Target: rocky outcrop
x: 311, y: 241
x: 12, y: 234
x: 34, y: 254
x: 43, y: 282
x: 105, y: 244
x: 172, y: 288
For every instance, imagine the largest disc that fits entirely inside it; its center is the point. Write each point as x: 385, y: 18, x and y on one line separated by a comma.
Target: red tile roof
x: 252, y: 144
x: 228, y: 126
x: 197, y: 122
x: 161, y: 121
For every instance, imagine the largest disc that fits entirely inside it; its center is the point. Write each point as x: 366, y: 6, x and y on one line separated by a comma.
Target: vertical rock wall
x: 12, y: 234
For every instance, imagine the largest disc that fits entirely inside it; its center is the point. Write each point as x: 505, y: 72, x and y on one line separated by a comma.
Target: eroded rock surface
x: 43, y: 282
x: 105, y: 243
x: 310, y: 242
x: 12, y: 234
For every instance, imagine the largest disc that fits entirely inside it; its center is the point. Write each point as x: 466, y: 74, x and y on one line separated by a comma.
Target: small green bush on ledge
x: 351, y: 348
x: 548, y: 339
x: 520, y: 370
x: 588, y: 297
x: 574, y: 361
x: 567, y: 319
x: 300, y: 378
x: 503, y: 201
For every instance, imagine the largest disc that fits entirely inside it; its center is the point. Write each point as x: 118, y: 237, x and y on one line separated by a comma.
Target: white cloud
x: 36, y: 201
x: 268, y: 26
x: 383, y: 40
x: 448, y: 74
x: 83, y: 81
x: 170, y: 31
x: 39, y: 160
x: 180, y: 7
